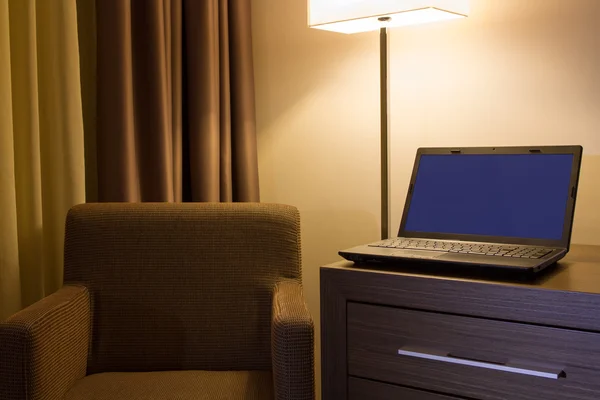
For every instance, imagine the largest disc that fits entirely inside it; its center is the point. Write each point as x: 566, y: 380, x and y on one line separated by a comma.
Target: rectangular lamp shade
x: 354, y: 16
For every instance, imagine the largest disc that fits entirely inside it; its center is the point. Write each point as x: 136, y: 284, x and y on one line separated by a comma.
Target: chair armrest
x: 292, y: 340
x: 44, y: 348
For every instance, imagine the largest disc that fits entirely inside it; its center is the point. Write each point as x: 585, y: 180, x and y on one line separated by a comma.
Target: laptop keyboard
x: 468, y: 248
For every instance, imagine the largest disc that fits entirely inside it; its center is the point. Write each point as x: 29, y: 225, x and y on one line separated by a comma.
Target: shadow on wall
x: 322, y: 241
x: 587, y: 218
x: 324, y: 233
x: 343, y: 228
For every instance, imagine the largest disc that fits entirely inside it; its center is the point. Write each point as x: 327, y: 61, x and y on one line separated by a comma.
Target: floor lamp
x: 355, y: 16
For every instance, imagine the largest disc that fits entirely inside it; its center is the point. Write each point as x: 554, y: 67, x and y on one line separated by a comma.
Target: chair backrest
x: 181, y: 286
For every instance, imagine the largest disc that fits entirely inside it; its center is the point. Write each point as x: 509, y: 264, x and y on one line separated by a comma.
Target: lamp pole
x: 384, y: 121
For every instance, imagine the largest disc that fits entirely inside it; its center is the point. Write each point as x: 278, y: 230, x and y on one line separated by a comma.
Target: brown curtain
x: 175, y: 101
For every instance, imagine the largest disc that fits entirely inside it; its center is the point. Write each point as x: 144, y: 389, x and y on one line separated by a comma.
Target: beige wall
x: 514, y: 73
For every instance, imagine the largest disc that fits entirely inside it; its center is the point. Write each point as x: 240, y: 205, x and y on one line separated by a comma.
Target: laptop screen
x: 509, y: 195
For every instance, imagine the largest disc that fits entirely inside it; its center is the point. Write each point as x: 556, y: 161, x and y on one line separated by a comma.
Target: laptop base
x: 371, y: 253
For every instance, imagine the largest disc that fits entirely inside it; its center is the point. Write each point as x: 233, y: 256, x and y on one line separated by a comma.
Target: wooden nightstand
x: 388, y: 334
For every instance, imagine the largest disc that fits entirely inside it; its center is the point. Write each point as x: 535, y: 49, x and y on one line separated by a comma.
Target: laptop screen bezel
x: 563, y: 242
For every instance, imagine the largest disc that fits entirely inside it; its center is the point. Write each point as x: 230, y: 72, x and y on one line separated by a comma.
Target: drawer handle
x: 506, y: 367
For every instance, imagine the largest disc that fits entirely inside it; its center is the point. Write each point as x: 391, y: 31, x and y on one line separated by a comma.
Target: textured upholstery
x: 168, y: 301
x: 292, y: 343
x: 43, y: 349
x: 180, y: 385
x: 181, y: 286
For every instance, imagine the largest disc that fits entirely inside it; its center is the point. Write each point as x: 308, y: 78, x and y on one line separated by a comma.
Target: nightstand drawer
x: 362, y: 389
x: 472, y: 357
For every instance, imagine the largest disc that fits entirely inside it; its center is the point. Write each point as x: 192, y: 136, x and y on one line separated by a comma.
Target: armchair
x: 168, y: 301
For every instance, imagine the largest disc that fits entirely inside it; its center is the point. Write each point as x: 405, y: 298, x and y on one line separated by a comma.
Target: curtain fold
x: 176, y: 113
x: 10, y: 284
x: 42, y: 171
x: 243, y: 101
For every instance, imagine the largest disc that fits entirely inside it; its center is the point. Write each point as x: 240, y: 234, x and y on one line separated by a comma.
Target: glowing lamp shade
x: 354, y: 16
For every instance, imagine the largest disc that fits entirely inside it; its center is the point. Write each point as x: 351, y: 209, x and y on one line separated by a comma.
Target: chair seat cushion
x: 174, y: 385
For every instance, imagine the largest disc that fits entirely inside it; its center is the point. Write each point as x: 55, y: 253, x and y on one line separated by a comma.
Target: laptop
x: 507, y: 207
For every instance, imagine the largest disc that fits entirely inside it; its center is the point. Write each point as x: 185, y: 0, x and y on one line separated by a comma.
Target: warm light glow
x: 352, y: 16
x: 406, y: 18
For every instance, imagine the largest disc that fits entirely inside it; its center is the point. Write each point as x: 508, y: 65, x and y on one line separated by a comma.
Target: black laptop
x: 509, y: 207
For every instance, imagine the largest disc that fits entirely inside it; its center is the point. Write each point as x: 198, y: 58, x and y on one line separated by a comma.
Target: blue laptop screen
x: 510, y: 195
